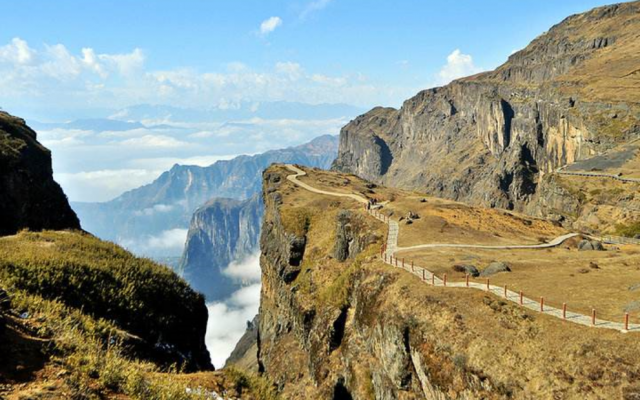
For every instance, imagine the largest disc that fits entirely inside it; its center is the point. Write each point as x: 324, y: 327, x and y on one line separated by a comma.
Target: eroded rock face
x: 29, y: 197
x: 351, y: 238
x: 491, y: 138
x: 222, y: 230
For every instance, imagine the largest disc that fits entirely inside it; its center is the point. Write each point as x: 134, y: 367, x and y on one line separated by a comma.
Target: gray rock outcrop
x: 495, y: 267
x: 469, y: 269
x: 586, y: 245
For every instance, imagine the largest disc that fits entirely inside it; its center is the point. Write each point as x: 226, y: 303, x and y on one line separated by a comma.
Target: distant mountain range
x: 153, y: 219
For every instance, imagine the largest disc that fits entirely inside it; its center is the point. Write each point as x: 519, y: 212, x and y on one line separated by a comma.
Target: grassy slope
x: 77, y: 304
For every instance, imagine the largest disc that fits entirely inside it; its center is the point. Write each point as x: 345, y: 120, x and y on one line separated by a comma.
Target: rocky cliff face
x: 358, y: 329
x: 29, y: 197
x: 491, y: 139
x: 221, y: 231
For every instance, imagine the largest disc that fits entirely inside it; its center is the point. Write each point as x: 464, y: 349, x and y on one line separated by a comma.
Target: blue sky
x: 391, y: 48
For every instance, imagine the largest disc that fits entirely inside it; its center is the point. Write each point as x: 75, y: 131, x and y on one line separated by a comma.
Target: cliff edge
x: 29, y: 197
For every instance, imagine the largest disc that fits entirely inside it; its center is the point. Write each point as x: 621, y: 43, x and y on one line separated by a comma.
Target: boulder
x: 495, y: 268
x: 467, y: 269
x: 586, y: 245
x: 413, y: 215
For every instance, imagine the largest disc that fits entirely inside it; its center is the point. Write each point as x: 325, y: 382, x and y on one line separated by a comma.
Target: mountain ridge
x: 495, y: 138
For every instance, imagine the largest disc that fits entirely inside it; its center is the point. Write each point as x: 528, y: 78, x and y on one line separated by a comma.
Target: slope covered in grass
x: 105, y: 281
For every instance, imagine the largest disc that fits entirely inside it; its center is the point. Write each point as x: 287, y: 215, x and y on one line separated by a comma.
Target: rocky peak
x: 491, y: 138
x: 29, y: 197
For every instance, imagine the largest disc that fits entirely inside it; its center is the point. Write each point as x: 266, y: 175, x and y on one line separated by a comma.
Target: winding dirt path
x: 389, y: 257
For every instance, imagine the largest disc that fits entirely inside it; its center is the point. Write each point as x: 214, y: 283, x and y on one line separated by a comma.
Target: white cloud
x: 169, y: 239
x: 458, y: 65
x: 245, y: 270
x: 105, y: 184
x: 154, y: 141
x: 329, y: 81
x: 156, y: 209
x: 269, y: 25
x: 89, y: 79
x: 17, y: 52
x: 228, y: 322
x: 313, y: 7
x: 168, y: 242
x: 291, y: 70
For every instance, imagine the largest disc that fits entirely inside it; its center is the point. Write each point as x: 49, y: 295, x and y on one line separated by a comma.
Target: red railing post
x: 402, y: 262
x: 467, y: 280
x: 412, y: 270
x: 445, y: 279
x: 541, y: 304
x: 626, y: 321
x: 564, y: 310
x: 521, y: 298
x: 424, y: 274
x: 593, y: 316
x: 385, y: 258
x: 505, y: 291
x: 433, y: 279
x: 488, y: 286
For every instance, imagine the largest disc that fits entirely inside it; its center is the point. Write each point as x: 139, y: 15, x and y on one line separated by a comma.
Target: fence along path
x: 388, y: 254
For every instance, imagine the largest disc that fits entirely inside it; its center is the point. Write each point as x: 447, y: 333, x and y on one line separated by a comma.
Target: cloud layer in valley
x: 228, y: 319
x: 167, y: 243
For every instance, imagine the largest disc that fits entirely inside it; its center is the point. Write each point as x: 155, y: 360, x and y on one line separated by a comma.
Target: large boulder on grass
x: 586, y: 245
x: 469, y: 269
x: 495, y: 267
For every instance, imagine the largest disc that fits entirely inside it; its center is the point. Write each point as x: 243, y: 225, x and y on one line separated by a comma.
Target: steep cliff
x: 359, y: 329
x: 221, y: 231
x: 494, y: 138
x: 29, y: 197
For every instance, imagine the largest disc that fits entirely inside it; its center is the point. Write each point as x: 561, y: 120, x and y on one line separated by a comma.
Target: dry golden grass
x: 450, y: 222
x: 559, y: 275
